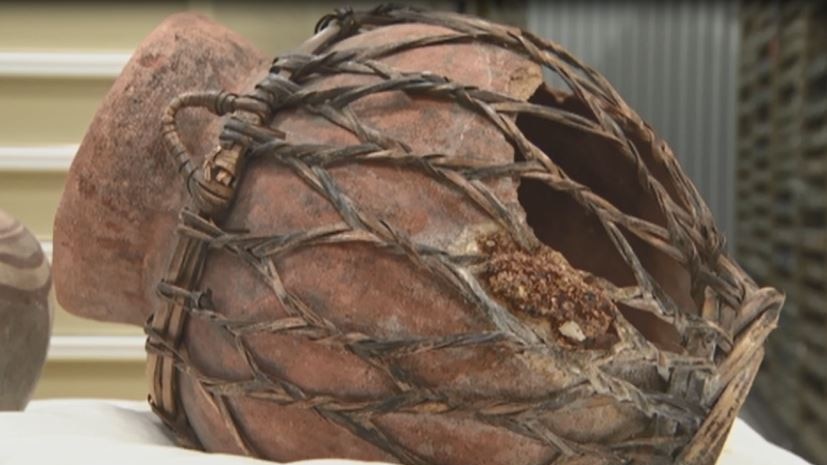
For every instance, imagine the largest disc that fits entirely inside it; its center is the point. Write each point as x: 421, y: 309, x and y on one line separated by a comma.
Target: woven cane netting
x: 721, y: 340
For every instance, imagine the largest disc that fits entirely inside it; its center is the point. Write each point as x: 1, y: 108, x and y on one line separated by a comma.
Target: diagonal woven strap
x: 722, y: 343
x: 212, y: 189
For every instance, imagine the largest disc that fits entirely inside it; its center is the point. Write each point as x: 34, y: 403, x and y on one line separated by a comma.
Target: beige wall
x: 107, y: 379
x: 44, y: 110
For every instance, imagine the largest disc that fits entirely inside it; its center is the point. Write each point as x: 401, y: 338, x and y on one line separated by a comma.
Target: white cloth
x: 101, y: 432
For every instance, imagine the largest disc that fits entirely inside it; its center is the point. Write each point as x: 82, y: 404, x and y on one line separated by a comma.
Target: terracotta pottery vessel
x: 399, y: 244
x: 25, y: 312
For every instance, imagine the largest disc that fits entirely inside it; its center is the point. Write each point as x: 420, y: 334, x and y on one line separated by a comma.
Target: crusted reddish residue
x: 541, y: 287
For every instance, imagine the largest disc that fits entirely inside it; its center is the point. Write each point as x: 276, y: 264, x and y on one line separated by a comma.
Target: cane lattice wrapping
x: 705, y: 380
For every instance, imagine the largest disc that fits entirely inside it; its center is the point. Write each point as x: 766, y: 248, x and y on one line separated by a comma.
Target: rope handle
x: 212, y: 185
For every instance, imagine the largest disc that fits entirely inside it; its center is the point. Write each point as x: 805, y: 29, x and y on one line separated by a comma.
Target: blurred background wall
x: 738, y: 90
x: 781, y: 183
x: 674, y: 62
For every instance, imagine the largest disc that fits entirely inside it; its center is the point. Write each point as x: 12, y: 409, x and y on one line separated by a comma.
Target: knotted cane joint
x: 212, y: 188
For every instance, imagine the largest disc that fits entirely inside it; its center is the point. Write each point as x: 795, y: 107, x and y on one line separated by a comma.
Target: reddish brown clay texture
x: 114, y: 226
x: 117, y: 219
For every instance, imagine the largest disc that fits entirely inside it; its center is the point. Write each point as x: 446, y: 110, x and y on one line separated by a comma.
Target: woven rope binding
x: 707, y: 383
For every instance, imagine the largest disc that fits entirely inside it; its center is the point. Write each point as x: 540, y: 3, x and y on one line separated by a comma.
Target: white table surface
x: 104, y: 432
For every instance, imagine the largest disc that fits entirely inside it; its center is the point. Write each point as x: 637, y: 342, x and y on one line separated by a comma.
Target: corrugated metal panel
x: 675, y: 63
